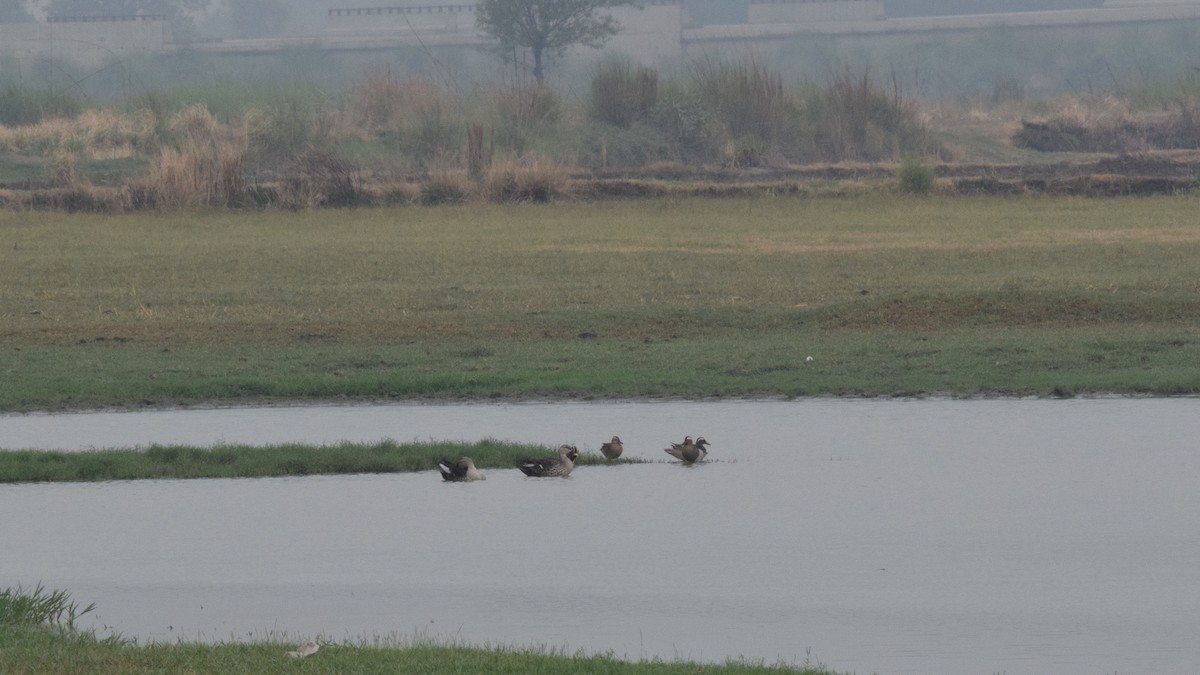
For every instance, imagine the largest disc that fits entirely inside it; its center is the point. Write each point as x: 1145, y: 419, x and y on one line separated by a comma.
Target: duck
x: 613, y: 448
x: 551, y: 466
x: 462, y: 470
x: 303, y: 651
x: 689, y: 452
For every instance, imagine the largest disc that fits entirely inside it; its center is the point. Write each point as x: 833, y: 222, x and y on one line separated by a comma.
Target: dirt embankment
x: 1150, y: 173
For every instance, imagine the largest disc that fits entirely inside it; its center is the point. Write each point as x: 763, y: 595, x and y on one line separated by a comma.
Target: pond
x: 889, y: 536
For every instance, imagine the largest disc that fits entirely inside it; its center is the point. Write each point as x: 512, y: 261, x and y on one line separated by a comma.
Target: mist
x: 939, y: 63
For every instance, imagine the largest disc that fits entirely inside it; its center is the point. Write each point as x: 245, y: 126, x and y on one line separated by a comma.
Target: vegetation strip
x: 38, y: 635
x: 241, y: 461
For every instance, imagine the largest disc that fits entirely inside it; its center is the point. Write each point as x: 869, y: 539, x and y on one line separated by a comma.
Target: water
x: 876, y: 536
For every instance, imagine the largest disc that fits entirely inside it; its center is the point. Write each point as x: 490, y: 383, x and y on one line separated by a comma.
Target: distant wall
x: 813, y: 11
x: 88, y: 40
x: 448, y: 18
x: 900, y: 8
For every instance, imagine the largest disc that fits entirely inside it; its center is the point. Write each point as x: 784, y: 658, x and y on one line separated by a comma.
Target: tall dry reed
x: 746, y: 96
x: 479, y: 153
x: 622, y: 93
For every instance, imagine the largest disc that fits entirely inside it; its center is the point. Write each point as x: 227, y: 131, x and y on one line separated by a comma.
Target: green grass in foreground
x: 239, y: 461
x: 35, y: 639
x: 686, y: 297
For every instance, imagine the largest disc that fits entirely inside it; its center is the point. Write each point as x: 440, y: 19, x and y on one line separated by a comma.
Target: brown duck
x: 613, y: 448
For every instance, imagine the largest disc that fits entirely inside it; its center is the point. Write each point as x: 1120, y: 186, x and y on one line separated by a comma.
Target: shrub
x: 21, y: 104
x: 915, y: 176
x: 683, y: 119
x: 318, y: 178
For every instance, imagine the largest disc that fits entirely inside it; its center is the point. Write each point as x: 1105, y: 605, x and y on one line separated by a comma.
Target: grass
x: 660, y: 297
x: 240, y: 461
x: 34, y: 638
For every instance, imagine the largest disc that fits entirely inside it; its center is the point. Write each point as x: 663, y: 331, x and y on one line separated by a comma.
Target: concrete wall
x: 649, y: 33
x: 815, y: 11
x: 86, y: 42
x: 448, y: 18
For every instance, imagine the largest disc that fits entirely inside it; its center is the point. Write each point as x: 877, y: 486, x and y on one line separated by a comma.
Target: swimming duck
x: 551, y: 466
x: 462, y: 470
x: 689, y: 452
x: 613, y: 448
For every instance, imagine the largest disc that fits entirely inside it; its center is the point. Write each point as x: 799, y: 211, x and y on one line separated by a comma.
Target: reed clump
x: 622, y: 92
x: 745, y: 96
x: 39, y: 606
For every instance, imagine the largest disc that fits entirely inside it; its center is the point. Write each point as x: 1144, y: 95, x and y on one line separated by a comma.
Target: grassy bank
x: 37, y: 635
x: 666, y: 297
x: 240, y: 461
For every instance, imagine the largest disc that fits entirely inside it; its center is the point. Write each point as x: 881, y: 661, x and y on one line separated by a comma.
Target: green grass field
x: 686, y: 297
x: 38, y: 635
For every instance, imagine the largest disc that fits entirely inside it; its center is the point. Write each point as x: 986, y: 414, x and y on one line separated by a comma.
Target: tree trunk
x: 538, y: 73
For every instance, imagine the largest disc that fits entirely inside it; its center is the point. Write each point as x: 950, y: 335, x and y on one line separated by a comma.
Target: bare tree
x: 546, y: 27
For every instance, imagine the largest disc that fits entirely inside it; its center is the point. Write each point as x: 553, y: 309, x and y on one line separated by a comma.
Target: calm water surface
x: 877, y: 536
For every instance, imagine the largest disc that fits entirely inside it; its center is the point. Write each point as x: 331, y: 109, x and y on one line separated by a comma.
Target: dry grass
x: 208, y: 169
x: 100, y: 134
x: 445, y: 186
x: 533, y: 179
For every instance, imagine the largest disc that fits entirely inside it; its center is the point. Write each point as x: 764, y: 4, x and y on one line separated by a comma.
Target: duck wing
x: 537, y: 467
x: 449, y: 469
